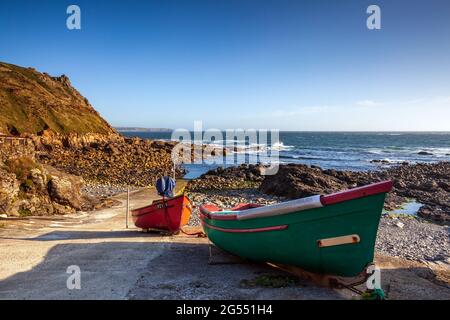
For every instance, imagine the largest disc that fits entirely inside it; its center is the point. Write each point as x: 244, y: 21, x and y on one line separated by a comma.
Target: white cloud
x: 298, y: 111
x: 421, y: 102
x: 368, y: 103
x: 441, y: 100
x: 416, y: 114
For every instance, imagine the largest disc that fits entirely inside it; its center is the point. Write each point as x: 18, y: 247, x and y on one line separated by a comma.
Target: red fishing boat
x: 169, y: 213
x: 164, y: 214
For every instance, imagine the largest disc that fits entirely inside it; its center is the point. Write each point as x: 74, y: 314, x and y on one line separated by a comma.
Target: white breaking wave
x: 280, y: 147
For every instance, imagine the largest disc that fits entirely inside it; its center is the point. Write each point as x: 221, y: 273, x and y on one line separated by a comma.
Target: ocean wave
x: 389, y: 161
x: 259, y: 148
x: 389, y: 134
x: 300, y: 157
x: 279, y: 146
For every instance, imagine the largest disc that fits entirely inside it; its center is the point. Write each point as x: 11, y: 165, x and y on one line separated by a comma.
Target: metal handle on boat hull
x: 336, y: 241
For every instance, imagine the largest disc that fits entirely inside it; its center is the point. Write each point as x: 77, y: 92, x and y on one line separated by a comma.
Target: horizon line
x: 306, y: 131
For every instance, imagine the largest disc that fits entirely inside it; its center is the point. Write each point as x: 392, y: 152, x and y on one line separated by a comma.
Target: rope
x: 199, y: 234
x: 166, y: 215
x: 377, y: 294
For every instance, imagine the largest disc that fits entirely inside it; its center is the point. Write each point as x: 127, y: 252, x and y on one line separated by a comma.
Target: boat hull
x: 337, y: 239
x: 168, y: 215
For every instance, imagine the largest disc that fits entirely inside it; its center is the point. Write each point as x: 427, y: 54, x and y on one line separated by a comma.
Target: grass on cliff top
x: 28, y: 104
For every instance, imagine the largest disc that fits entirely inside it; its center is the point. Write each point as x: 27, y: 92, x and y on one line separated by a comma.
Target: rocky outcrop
x: 48, y: 140
x: 109, y: 160
x: 244, y: 176
x: 28, y: 188
x: 297, y: 181
x: 9, y: 189
x: 428, y: 184
x: 31, y: 102
x: 60, y: 128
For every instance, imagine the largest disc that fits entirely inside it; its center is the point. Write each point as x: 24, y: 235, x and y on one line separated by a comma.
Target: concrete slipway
x: 120, y: 263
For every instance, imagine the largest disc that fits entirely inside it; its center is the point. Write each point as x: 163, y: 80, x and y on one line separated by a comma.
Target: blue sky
x: 289, y: 65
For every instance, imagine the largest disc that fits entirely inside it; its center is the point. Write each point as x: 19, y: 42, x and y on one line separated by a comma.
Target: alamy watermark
x: 74, y: 280
x: 374, y: 280
x: 73, y: 21
x: 214, y: 146
x: 374, y: 20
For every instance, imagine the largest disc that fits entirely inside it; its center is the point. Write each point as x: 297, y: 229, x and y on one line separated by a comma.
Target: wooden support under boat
x: 329, y: 281
x: 324, y: 280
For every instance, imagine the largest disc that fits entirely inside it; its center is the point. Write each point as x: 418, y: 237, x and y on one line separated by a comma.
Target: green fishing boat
x: 328, y: 234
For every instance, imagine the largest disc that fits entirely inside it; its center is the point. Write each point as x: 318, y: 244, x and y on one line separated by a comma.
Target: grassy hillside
x: 31, y: 102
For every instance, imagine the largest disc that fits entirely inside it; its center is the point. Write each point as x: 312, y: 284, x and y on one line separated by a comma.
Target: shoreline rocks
x: 228, y: 178
x: 428, y: 184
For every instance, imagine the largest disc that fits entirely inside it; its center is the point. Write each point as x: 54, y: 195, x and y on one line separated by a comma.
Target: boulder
x: 424, y: 153
x: 39, y: 178
x: 65, y: 189
x: 34, y: 205
x: 62, y: 209
x: 298, y: 181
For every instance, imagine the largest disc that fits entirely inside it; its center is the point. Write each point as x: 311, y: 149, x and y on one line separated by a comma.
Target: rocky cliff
x: 31, y: 102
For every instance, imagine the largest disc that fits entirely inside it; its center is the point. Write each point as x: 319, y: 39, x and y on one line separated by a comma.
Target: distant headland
x: 137, y: 129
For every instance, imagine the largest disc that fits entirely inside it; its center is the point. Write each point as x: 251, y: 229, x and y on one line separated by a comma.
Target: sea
x: 357, y: 151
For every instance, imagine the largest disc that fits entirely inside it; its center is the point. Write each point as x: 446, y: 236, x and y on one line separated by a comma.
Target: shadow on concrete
x: 146, y: 270
x: 176, y: 270
x: 87, y: 235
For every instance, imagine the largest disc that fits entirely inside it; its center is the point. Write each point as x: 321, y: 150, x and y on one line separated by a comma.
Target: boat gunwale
x: 136, y: 215
x: 326, y: 200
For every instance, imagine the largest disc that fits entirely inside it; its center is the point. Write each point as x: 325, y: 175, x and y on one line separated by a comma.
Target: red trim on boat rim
x: 213, y: 216
x: 245, y: 206
x: 356, y: 193
x: 274, y: 228
x: 223, y: 216
x: 151, y: 210
x: 206, y: 211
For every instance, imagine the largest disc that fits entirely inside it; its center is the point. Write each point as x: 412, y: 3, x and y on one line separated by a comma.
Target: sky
x: 288, y: 65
